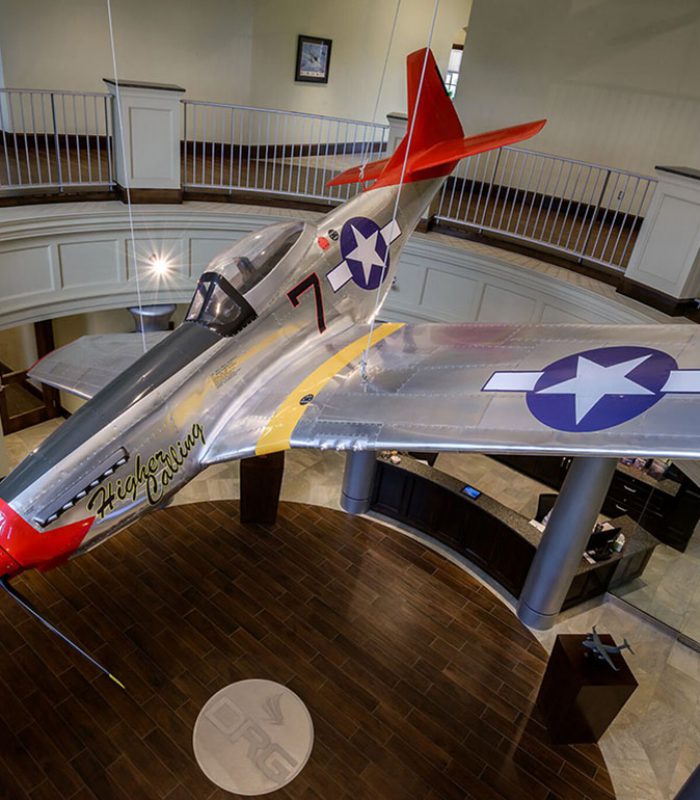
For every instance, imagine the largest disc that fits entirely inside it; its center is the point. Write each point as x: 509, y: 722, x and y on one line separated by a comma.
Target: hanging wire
x: 127, y: 188
x: 366, y: 149
x: 363, y: 362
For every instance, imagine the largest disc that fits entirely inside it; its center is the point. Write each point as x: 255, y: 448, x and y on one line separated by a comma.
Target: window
x: 453, y: 66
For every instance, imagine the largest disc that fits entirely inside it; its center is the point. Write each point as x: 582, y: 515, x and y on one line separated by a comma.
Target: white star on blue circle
x: 601, y: 388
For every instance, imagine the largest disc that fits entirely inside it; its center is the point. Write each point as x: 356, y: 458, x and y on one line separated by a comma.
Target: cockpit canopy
x: 219, y: 306
x: 251, y: 258
x: 219, y: 301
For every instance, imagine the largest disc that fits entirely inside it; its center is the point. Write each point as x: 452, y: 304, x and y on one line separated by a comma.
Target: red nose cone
x: 23, y: 546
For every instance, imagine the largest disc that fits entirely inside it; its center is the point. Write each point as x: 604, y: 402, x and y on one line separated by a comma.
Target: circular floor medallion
x: 253, y: 737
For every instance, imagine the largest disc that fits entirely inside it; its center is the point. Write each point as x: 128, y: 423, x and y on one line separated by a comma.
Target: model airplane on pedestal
x: 270, y: 356
x: 602, y: 652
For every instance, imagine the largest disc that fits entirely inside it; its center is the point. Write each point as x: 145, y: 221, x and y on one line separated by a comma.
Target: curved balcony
x: 61, y: 143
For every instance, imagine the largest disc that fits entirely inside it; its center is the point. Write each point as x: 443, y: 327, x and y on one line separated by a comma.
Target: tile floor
x: 654, y: 743
x: 669, y: 589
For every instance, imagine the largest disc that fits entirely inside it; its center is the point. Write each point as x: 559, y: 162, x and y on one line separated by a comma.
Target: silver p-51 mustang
x: 269, y: 358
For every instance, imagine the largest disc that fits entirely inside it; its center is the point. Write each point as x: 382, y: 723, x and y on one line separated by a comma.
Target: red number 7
x: 311, y: 281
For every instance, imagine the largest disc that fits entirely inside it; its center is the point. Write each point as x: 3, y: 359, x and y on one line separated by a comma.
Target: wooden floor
x: 419, y: 682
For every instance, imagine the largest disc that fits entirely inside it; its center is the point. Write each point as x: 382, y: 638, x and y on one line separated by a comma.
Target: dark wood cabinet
x: 491, y: 536
x: 513, y: 563
x: 682, y: 518
x: 668, y: 509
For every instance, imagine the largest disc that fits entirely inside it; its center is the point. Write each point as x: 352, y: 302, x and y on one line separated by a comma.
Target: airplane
x: 602, y: 651
x: 282, y: 347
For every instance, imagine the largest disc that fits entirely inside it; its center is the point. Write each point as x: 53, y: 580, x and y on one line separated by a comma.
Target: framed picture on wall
x: 313, y: 59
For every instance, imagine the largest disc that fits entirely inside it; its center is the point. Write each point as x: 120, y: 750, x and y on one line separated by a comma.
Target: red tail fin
x: 432, y: 115
x: 437, y: 140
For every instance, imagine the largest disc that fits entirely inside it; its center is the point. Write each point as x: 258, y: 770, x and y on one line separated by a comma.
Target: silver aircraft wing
x: 86, y: 365
x: 544, y: 389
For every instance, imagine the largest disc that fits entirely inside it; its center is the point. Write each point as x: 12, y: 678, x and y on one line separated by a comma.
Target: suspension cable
x: 385, y: 259
x: 366, y: 149
x: 127, y: 187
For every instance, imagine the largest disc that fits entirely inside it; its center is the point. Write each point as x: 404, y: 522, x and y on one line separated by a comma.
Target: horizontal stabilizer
x: 364, y: 172
x: 452, y: 150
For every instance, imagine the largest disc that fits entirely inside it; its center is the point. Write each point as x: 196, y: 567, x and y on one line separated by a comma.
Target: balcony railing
x: 269, y: 151
x: 580, y: 209
x: 64, y: 140
x: 55, y: 139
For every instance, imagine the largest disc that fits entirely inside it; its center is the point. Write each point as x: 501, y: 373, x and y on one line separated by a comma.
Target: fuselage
x: 146, y: 434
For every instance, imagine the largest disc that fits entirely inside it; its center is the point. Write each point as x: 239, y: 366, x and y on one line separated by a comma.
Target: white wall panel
x: 152, y: 248
x: 449, y: 295
x: 25, y: 271
x: 203, y: 250
x: 439, y: 278
x: 552, y: 314
x: 499, y: 304
x: 86, y: 263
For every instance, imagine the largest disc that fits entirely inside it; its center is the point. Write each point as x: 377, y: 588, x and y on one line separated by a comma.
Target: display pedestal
x: 261, y: 481
x: 580, y: 696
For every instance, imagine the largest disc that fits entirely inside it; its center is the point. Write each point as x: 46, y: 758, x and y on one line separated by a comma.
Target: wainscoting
x: 72, y: 258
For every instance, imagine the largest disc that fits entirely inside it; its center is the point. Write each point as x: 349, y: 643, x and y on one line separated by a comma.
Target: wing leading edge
x: 88, y: 364
x: 543, y: 389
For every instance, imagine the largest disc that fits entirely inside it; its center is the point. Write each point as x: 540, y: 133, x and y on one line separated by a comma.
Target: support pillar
x: 261, y: 482
x: 564, y: 540
x: 358, y: 480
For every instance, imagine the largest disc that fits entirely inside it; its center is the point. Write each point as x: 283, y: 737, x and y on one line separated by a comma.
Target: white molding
x: 550, y: 289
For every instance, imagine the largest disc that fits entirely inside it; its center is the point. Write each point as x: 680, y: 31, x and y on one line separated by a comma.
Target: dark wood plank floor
x: 420, y: 683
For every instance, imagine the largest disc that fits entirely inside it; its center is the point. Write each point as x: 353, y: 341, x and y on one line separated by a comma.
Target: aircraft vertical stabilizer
x: 435, y: 140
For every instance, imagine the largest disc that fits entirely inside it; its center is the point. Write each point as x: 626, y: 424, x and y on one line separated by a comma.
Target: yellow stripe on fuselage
x: 279, y: 429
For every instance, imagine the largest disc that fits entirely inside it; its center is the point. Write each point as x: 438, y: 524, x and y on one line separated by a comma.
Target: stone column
x: 147, y: 156
x: 358, y: 480
x: 564, y: 540
x: 664, y: 269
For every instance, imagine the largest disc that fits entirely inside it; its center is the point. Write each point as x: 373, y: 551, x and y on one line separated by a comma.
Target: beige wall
x: 18, y: 347
x: 360, y: 32
x: 240, y: 51
x: 617, y: 80
x: 204, y: 46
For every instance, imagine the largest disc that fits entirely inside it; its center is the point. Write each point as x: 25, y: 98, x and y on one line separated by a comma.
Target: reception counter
x: 493, y: 537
